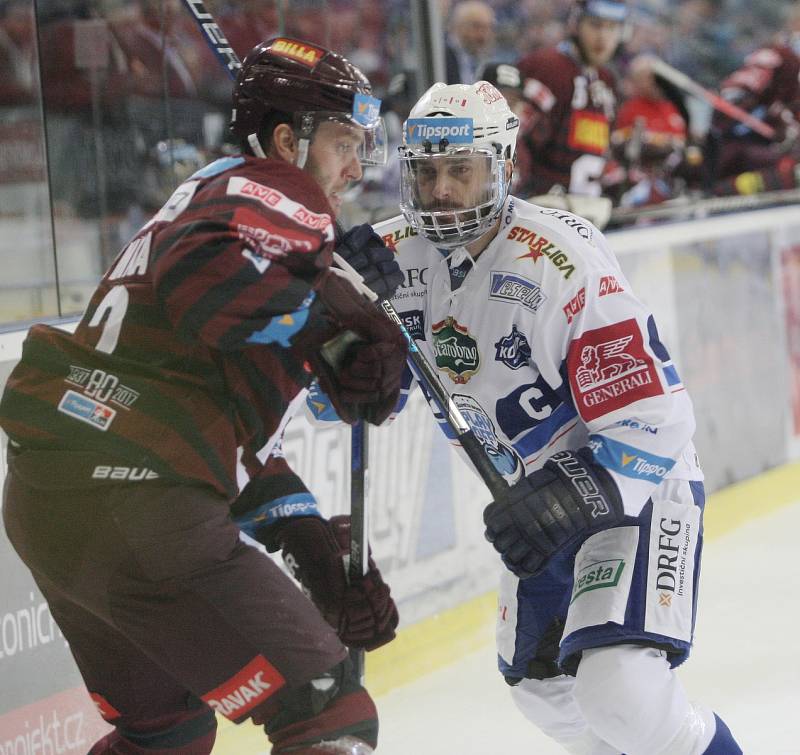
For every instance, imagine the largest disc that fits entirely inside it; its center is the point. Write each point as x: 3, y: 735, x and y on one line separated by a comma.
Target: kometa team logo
x: 455, y: 349
x: 513, y: 350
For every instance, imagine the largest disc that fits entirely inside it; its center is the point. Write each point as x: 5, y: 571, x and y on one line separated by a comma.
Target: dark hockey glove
x: 568, y: 499
x: 362, y: 612
x: 365, y: 251
x: 359, y: 360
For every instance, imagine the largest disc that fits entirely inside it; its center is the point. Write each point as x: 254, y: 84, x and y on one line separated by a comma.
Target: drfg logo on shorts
x: 674, y: 538
x: 241, y: 693
x: 456, y: 350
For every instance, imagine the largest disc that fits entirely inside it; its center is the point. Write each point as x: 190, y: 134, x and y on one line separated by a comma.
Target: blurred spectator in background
x: 508, y: 80
x: 649, y: 140
x: 247, y: 23
x: 536, y: 25
x: 571, y: 94
x: 17, y: 53
x: 160, y: 44
x: 470, y: 41
x: 703, y: 40
x: 766, y: 85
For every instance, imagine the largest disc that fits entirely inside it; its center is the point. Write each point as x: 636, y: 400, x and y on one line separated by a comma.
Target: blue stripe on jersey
x: 629, y: 461
x: 297, y: 504
x: 672, y: 375
x: 545, y: 431
x: 217, y: 167
x: 320, y: 405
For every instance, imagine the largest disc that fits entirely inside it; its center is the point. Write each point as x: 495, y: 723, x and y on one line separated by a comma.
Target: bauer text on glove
x: 568, y: 499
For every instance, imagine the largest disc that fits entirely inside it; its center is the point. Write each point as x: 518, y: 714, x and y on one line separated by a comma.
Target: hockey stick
x: 359, y: 525
x: 426, y: 376
x: 419, y: 365
x: 682, y: 81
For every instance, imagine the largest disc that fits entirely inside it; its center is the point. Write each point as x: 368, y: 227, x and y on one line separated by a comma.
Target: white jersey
x: 544, y: 347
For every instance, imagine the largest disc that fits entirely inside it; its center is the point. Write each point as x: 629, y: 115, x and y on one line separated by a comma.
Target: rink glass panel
x: 107, y: 105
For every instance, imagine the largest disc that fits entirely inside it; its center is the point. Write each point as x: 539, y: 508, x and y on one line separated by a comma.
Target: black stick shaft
x: 429, y: 380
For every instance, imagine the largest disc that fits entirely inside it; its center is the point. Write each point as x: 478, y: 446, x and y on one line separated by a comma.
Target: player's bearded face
x: 453, y: 181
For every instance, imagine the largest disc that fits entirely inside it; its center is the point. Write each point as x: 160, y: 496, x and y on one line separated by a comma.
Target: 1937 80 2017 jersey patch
x: 609, y: 368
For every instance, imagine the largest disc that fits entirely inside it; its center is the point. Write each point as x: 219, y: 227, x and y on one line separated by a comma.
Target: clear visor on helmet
x: 343, y: 134
x: 452, y: 197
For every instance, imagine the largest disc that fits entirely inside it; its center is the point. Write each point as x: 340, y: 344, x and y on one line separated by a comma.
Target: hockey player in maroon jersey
x: 571, y: 97
x: 194, y: 351
x: 767, y: 86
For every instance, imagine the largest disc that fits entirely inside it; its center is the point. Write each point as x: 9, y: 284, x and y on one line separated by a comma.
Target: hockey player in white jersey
x: 560, y: 371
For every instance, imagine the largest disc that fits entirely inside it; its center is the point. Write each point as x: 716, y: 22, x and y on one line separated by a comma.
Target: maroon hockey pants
x: 167, y: 613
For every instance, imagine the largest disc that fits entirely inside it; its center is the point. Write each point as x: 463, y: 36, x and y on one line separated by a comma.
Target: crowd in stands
x: 116, y: 77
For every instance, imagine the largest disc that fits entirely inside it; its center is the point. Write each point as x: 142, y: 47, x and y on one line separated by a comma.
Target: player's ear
x: 283, y: 143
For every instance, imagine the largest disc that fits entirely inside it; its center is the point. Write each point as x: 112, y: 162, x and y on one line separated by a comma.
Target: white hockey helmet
x: 456, y: 143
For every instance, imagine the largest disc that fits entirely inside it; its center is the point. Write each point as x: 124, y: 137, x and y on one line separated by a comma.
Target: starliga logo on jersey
x: 455, y: 349
x: 455, y: 130
x: 609, y: 368
x: 541, y: 246
x: 514, y: 288
x: 513, y: 350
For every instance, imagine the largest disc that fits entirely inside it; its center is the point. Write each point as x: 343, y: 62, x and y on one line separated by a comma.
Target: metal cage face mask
x: 452, y: 197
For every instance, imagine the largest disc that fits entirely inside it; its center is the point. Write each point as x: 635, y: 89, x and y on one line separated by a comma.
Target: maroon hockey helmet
x: 308, y: 82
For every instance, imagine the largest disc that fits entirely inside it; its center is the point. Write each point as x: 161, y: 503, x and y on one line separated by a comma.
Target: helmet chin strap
x: 302, y: 150
x: 255, y: 145
x: 302, y: 153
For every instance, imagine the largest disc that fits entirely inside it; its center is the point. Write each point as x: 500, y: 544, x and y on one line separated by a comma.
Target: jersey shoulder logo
x: 609, y: 368
x: 455, y: 349
x: 513, y: 350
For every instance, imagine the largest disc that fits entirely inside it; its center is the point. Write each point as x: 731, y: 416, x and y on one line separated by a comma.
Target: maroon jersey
x: 766, y: 85
x: 564, y: 137
x: 186, y: 351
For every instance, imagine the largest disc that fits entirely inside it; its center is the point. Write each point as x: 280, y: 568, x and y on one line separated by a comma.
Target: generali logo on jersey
x: 609, y: 368
x: 456, y: 350
x: 241, y: 693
